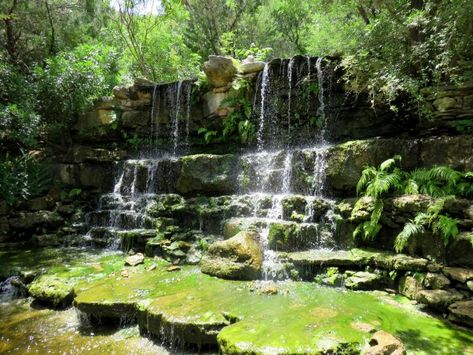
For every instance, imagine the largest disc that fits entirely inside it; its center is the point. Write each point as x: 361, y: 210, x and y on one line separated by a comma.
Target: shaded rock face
x: 219, y: 70
x: 208, y: 173
x: 462, y: 312
x: 239, y: 258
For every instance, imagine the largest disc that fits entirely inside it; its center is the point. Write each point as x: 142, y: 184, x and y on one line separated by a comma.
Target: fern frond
x: 367, y: 175
x: 445, y: 174
x: 445, y: 226
x: 390, y: 163
x: 411, y: 187
x: 410, y: 230
x: 384, y: 183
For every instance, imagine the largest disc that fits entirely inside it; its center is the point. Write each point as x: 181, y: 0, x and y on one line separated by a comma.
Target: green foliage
x: 22, y: 178
x: 209, y: 135
x: 440, y: 182
x: 440, y: 224
x: 71, y: 81
x: 71, y: 194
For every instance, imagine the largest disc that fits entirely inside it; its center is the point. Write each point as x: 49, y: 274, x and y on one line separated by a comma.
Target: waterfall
x: 262, y: 116
x: 154, y: 125
x: 289, y: 79
x: 175, y: 112
x: 188, y: 113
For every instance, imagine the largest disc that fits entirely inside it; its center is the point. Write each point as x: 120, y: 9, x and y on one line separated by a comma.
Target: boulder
x: 460, y: 250
x: 290, y: 236
x: 410, y: 286
x: 439, y: 299
x: 121, y: 92
x: 220, y: 70
x: 461, y: 312
x: 52, y: 290
x: 363, y: 280
x: 213, y: 102
x: 250, y: 65
x: 239, y: 258
x: 208, y: 173
x: 383, y: 343
x: 459, y: 274
x: 134, y: 260
x: 436, y: 281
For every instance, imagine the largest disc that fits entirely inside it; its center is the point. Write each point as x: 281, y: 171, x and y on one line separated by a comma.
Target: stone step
x: 310, y: 262
x: 124, y: 240
x: 123, y: 219
x: 284, y: 235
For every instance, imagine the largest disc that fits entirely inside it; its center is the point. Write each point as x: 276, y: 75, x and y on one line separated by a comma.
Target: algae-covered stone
x: 233, y: 226
x: 208, y: 173
x: 240, y: 257
x: 289, y: 236
x: 52, y: 290
x: 363, y: 280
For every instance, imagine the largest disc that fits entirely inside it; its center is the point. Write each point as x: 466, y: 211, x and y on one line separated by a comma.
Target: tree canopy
x: 57, y: 55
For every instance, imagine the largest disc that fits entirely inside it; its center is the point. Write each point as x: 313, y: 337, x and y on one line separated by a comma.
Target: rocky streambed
x: 125, y: 309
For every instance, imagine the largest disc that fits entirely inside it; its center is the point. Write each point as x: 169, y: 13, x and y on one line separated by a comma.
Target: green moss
x: 52, y: 290
x: 191, y: 307
x: 283, y: 236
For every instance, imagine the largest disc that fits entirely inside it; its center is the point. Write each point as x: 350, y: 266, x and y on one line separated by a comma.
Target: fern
x: 410, y: 230
x: 446, y: 227
x: 440, y: 182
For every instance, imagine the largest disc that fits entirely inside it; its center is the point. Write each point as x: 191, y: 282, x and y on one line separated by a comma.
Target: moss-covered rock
x: 208, y: 173
x: 239, y: 258
x: 52, y: 290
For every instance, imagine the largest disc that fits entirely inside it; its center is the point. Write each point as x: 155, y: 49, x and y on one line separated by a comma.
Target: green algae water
x: 167, y: 311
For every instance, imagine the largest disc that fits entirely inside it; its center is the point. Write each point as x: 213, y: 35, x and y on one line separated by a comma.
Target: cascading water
x: 262, y: 117
x: 289, y: 80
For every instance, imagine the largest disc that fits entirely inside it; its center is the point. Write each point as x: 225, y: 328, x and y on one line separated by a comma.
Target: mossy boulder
x: 52, y: 290
x: 239, y: 258
x: 208, y: 173
x: 289, y: 236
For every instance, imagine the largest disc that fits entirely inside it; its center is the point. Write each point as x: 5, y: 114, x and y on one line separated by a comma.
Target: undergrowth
x: 440, y: 182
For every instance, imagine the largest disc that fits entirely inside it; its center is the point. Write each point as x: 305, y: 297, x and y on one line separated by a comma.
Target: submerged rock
x: 52, y: 290
x: 239, y: 258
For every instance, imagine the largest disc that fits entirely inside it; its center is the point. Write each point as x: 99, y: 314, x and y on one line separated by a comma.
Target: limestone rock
x: 459, y: 274
x: 250, y: 65
x: 436, y: 281
x: 240, y: 257
x: 363, y: 280
x: 410, y: 286
x: 134, y: 260
x: 439, y: 299
x: 219, y: 70
x: 460, y: 250
x: 412, y: 203
x: 120, y: 92
x: 213, y: 102
x: 383, y: 343
x: 461, y: 312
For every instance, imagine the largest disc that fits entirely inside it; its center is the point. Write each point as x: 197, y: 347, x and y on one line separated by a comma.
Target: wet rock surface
x: 239, y: 258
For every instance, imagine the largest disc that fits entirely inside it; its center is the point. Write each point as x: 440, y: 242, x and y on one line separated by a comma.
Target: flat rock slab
x: 188, y: 307
x: 459, y: 274
x: 357, y: 258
